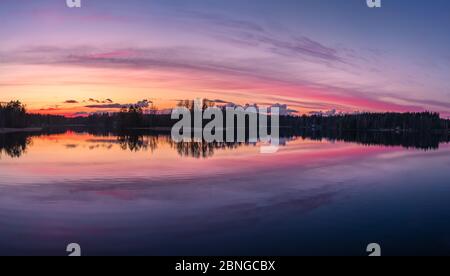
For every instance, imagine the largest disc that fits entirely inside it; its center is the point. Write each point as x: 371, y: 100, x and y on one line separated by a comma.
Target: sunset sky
x: 309, y: 54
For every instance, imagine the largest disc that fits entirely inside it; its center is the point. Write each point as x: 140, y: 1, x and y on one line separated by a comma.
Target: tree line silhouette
x: 423, y: 121
x: 14, y: 115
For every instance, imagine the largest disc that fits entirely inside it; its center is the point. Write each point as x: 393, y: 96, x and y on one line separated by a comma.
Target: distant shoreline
x: 12, y: 130
x: 168, y: 129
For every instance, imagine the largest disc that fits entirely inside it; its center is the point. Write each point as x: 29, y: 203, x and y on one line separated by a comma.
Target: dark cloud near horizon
x: 81, y: 113
x: 106, y: 106
x: 141, y: 104
x: 71, y: 102
x: 219, y: 101
x: 107, y: 101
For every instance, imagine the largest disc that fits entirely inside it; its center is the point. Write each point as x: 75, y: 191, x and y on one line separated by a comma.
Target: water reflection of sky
x: 309, y: 198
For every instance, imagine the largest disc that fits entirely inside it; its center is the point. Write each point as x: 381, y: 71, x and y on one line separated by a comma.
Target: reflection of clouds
x: 98, y: 141
x: 94, y: 147
x: 202, y: 204
x: 166, y: 210
x: 71, y: 146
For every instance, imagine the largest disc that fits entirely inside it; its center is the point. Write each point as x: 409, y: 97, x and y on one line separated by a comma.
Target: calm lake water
x: 145, y: 195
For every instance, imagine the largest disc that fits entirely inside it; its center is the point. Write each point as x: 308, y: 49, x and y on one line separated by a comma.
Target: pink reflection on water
x: 82, y: 157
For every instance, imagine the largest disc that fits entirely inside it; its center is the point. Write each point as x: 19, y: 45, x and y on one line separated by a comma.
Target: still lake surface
x: 145, y: 195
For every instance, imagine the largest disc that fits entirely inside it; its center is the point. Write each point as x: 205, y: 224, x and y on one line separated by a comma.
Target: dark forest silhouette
x: 13, y: 115
x: 423, y: 121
